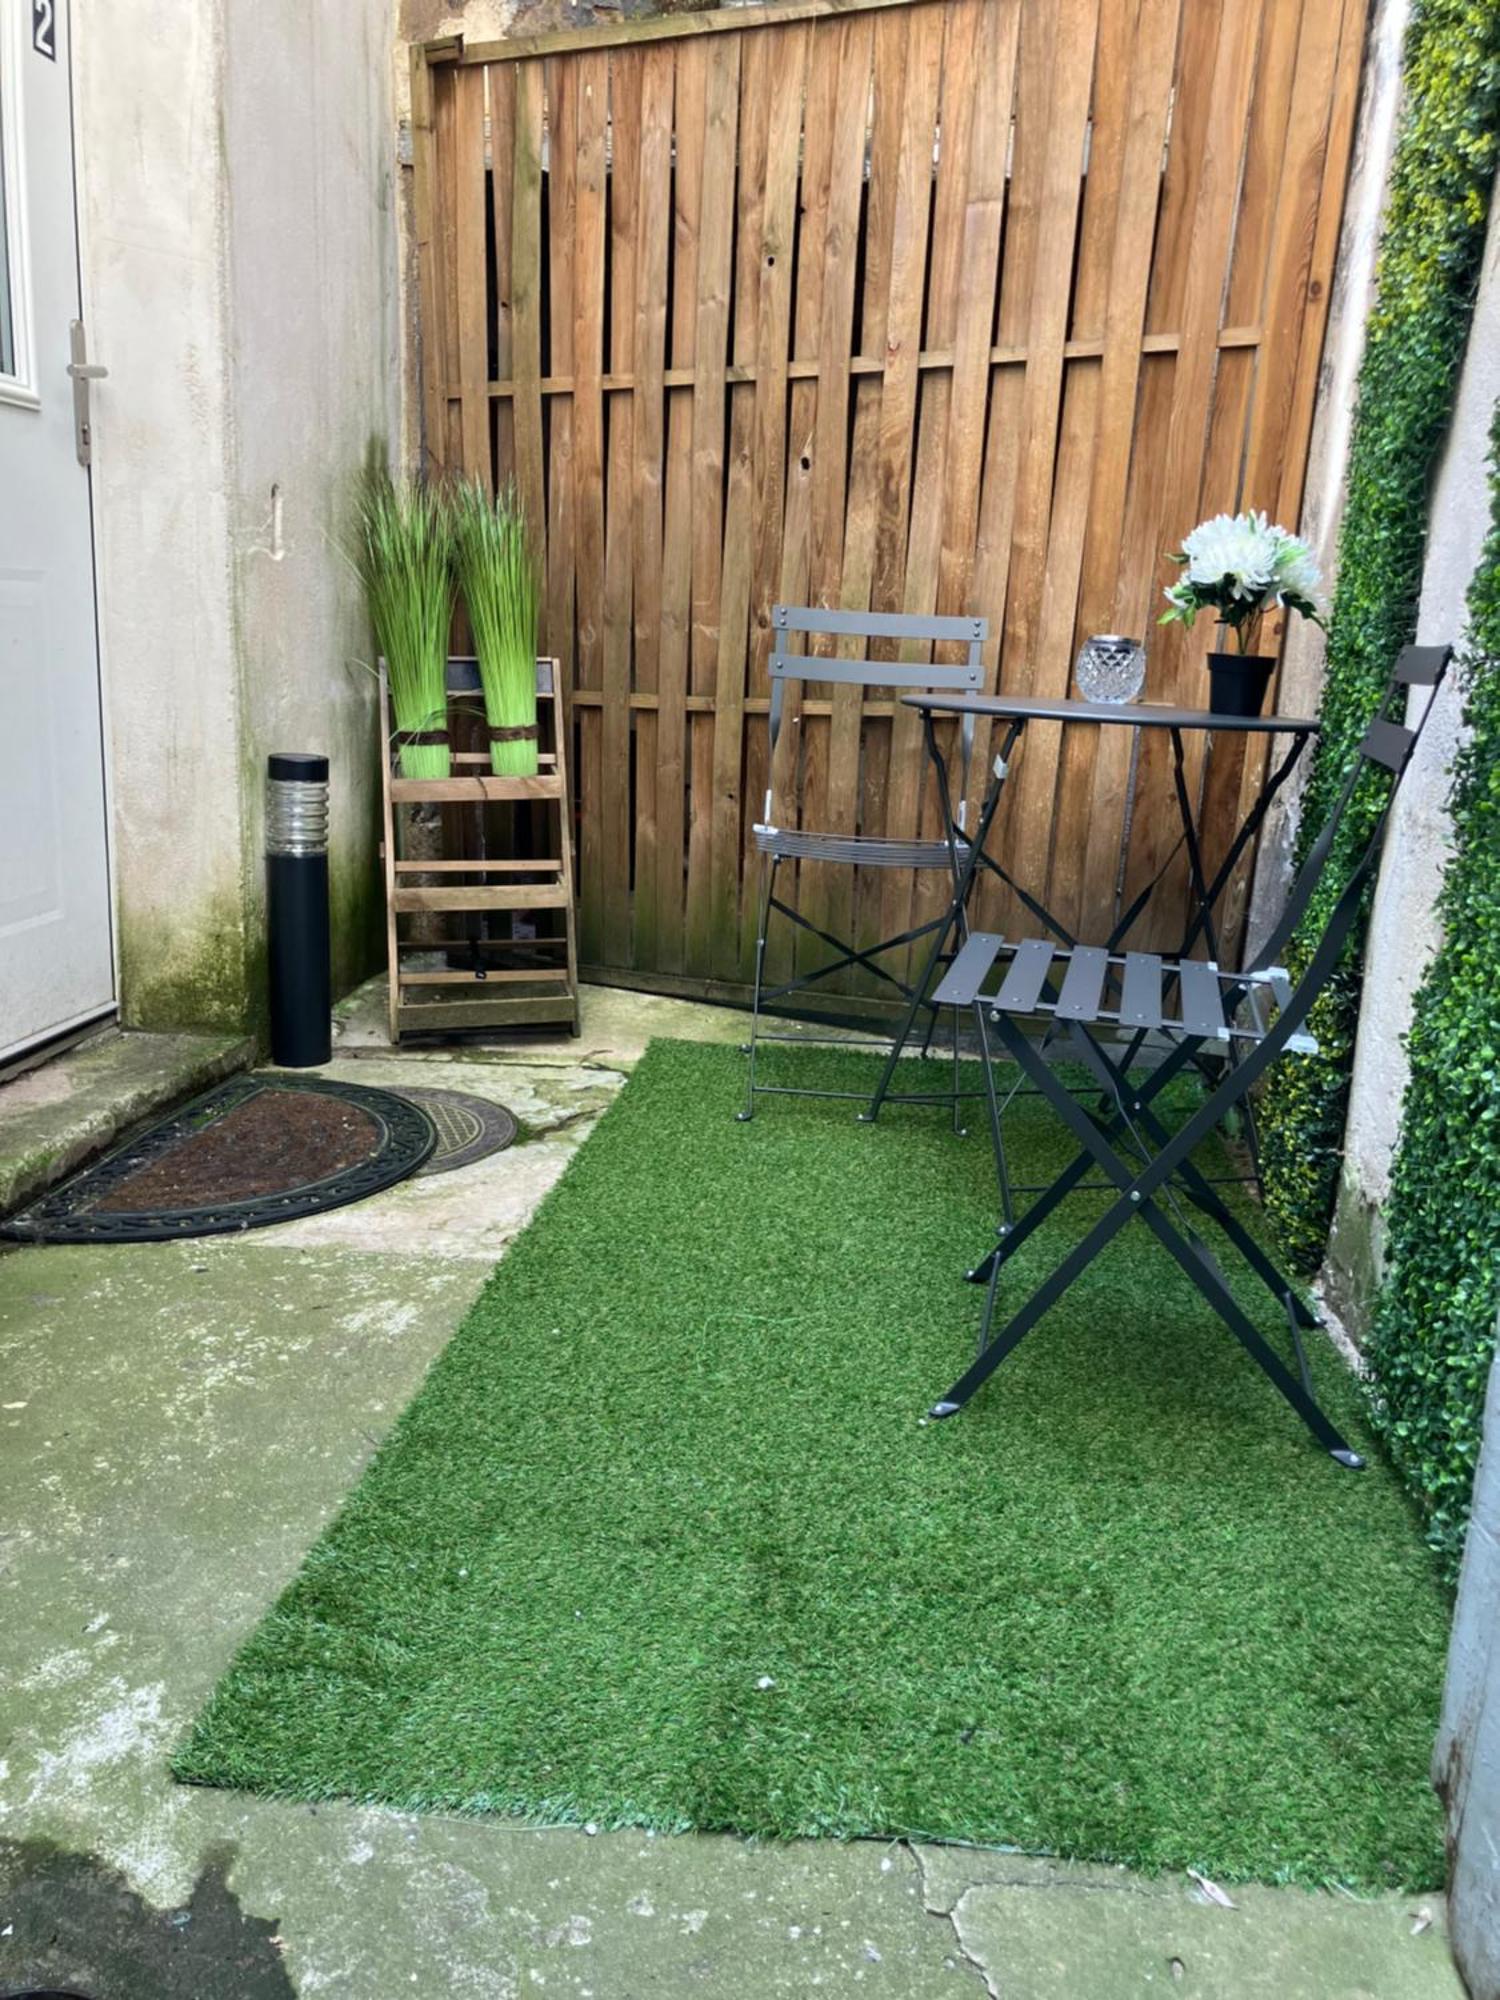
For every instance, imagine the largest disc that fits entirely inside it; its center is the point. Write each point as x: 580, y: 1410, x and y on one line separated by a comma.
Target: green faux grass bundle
x: 498, y: 580
x: 404, y: 555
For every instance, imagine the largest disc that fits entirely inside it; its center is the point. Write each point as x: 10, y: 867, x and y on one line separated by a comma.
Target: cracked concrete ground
x: 178, y: 1422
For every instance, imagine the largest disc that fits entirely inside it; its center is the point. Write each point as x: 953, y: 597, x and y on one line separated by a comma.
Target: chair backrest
x: 789, y: 662
x: 1389, y: 743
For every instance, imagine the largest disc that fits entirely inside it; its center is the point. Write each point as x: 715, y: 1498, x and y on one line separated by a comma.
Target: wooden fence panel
x: 968, y: 307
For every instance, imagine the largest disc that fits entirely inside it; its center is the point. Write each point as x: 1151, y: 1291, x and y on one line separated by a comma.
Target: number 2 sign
x: 44, y: 28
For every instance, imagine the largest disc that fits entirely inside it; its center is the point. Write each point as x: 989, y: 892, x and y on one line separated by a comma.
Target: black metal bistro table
x: 1014, y: 712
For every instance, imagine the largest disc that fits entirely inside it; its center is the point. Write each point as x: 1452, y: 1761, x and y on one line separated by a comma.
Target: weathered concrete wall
x: 1466, y: 1762
x: 309, y: 142
x: 238, y: 245
x: 1404, y: 930
x: 152, y: 215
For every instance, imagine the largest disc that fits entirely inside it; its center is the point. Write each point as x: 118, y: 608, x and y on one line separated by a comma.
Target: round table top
x: 1132, y: 714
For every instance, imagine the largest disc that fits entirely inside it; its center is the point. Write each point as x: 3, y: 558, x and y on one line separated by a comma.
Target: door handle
x: 82, y: 371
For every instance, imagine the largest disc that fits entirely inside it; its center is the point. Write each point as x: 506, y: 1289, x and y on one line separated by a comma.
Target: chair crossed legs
x: 790, y: 846
x: 1252, y: 1018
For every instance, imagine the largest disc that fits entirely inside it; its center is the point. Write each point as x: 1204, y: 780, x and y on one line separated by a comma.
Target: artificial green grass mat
x: 664, y: 1540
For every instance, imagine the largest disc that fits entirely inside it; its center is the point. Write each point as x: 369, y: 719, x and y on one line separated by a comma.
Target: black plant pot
x: 1237, y: 682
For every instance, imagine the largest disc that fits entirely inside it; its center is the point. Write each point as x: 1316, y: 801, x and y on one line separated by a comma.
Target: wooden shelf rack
x: 487, y: 973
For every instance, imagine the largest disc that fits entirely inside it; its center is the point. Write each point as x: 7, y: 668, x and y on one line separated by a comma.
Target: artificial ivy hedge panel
x: 1434, y: 1328
x: 1430, y: 256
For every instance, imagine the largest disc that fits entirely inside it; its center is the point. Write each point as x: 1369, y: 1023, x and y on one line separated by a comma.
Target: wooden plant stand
x: 467, y: 980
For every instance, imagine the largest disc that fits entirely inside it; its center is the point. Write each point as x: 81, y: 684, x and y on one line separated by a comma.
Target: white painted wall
x: 310, y: 149
x: 1404, y: 930
x: 235, y: 161
x: 152, y: 201
x: 1466, y: 1760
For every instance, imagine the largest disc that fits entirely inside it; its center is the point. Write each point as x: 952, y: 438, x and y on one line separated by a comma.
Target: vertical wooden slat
x: 718, y: 596
x: 428, y: 229
x: 1205, y: 248
x: 1096, y: 762
x: 830, y: 473
x: 1292, y: 449
x: 588, y: 482
x: 859, y: 755
x: 502, y: 117
x: 447, y: 451
x: 526, y: 297
x: 619, y: 574
x: 932, y: 87
x: 1028, y: 828
x: 757, y: 490
x: 562, y: 227
x: 677, y: 533
x: 940, y: 571
x: 652, y: 241
x: 910, y: 227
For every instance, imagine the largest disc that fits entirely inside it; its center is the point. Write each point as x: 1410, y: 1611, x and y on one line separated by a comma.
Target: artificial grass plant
x: 498, y: 580
x: 1431, y: 251
x: 664, y: 1539
x: 404, y: 555
x: 1433, y: 1336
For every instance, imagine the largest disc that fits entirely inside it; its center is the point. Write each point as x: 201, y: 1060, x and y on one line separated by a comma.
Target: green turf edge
x: 197, y: 1762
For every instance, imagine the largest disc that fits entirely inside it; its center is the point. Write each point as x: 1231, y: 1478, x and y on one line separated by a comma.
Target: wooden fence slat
x: 1028, y: 842
x: 896, y: 443
x: 1180, y: 656
x: 757, y: 486
x: 589, y: 248
x: 806, y: 746
x: 966, y: 252
x: 562, y: 224
x: 652, y: 242
x: 526, y: 295
x: 677, y: 533
x: 502, y: 116
x: 859, y: 756
x: 834, y: 303
x: 1292, y: 451
x: 1095, y: 763
x: 428, y: 229
x: 619, y: 576
x: 831, y: 471
x: 448, y: 450
x: 912, y: 222
x: 719, y: 526
x: 469, y: 276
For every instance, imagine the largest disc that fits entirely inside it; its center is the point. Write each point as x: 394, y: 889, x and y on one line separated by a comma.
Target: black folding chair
x: 781, y: 846
x: 1248, y: 1018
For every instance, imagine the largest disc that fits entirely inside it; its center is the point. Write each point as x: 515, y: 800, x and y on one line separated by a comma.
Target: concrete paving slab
x: 177, y: 1424
x: 1055, y: 1935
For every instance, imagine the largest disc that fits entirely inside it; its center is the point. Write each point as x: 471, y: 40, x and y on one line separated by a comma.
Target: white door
x: 56, y: 955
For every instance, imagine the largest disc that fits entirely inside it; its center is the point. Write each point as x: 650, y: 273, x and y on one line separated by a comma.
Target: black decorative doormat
x: 255, y: 1150
x: 468, y: 1128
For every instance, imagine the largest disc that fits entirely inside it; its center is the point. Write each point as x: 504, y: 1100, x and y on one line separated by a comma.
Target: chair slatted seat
x: 1087, y: 999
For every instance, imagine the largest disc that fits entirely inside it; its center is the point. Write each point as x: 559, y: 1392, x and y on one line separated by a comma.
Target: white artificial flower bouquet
x: 1239, y: 565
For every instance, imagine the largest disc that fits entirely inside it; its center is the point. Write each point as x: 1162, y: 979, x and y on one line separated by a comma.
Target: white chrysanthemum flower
x: 1237, y: 549
x: 1297, y: 572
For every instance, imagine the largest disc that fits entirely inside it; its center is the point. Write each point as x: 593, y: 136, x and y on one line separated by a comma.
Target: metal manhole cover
x: 468, y: 1128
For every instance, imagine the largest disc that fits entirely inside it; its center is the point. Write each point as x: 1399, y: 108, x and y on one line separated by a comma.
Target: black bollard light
x: 297, y: 909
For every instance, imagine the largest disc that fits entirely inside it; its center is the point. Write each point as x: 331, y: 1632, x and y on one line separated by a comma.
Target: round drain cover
x: 468, y: 1128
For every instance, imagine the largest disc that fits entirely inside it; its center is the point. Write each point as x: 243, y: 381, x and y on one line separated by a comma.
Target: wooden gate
x: 968, y: 307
